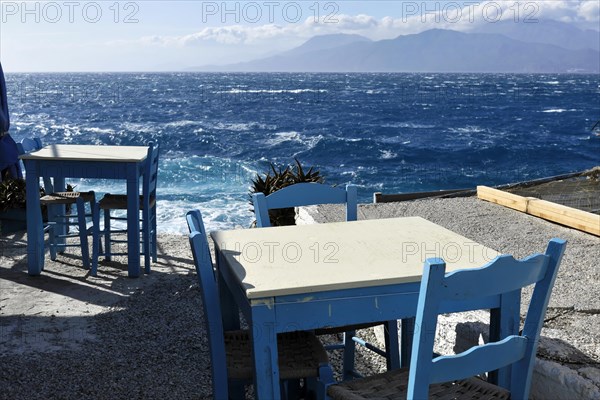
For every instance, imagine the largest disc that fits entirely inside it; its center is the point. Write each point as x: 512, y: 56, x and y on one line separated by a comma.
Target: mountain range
x: 545, y: 47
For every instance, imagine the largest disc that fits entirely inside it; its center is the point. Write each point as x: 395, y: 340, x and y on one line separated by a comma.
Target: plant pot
x: 13, y: 220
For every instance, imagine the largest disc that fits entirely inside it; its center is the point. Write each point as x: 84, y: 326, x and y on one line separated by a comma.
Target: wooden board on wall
x: 558, y: 213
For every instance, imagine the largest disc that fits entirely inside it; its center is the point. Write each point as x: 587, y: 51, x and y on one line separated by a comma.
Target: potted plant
x: 277, y: 178
x: 12, y: 205
x: 13, y: 197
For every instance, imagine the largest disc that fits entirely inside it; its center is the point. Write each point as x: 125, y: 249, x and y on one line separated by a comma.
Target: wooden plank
x: 564, y: 215
x: 568, y: 216
x: 502, y: 198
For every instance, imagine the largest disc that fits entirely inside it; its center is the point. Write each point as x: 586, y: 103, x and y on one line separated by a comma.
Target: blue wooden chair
x: 119, y: 202
x: 55, y: 201
x: 455, y: 377
x: 301, y: 355
x: 305, y: 194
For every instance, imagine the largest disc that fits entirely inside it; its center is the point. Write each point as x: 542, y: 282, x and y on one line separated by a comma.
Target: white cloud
x: 438, y: 15
x: 590, y: 11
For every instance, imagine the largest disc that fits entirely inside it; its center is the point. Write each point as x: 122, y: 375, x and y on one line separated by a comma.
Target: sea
x: 390, y: 133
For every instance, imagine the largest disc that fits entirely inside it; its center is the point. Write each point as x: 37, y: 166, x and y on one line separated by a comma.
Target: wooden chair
x: 455, y: 377
x: 301, y: 354
x: 119, y: 202
x: 305, y: 194
x: 54, y: 200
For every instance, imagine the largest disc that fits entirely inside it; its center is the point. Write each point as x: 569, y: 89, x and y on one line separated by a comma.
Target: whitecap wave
x: 182, y: 123
x: 282, y: 137
x: 468, y: 129
x: 99, y: 130
x: 270, y: 91
x: 239, y: 126
x: 387, y: 155
x: 218, y: 214
x: 411, y: 125
x: 145, y: 127
x: 309, y: 142
x: 560, y: 110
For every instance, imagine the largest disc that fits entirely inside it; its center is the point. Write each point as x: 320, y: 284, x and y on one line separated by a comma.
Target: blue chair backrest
x: 151, y: 173
x: 502, y: 275
x: 212, y: 308
x: 28, y: 145
x: 304, y: 194
x: 195, y: 222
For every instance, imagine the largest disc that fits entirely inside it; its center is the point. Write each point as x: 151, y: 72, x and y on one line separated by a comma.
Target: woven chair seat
x: 393, y: 385
x: 119, y: 202
x: 300, y: 354
x: 66, y: 197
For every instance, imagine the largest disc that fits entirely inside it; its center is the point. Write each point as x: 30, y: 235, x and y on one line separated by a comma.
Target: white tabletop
x: 320, y: 257
x: 70, y: 152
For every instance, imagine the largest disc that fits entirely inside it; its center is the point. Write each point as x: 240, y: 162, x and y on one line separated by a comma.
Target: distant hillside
x: 326, y: 42
x: 546, y: 31
x: 431, y: 51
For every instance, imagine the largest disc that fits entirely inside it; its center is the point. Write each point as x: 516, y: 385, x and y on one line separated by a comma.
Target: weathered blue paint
x: 60, y: 169
x: 504, y: 274
x: 148, y: 200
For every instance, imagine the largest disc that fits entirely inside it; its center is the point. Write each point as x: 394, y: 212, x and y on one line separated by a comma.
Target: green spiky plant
x: 277, y: 178
x: 13, y: 195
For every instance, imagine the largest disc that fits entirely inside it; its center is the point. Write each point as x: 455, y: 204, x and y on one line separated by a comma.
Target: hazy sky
x: 172, y: 35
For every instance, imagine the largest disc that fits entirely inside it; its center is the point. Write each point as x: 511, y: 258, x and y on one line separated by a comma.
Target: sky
x: 69, y: 35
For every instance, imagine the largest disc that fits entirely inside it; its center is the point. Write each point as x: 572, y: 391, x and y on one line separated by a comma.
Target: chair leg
x: 57, y: 214
x: 236, y: 390
x: 146, y: 238
x: 95, y: 238
x: 325, y: 380
x: 154, y: 234
x: 292, y: 389
x: 52, y: 242
x: 349, y: 350
x: 107, y: 255
x: 85, y: 253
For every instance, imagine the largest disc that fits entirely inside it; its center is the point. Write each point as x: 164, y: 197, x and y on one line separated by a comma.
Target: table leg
x: 35, y: 229
x: 133, y: 220
x: 504, y: 321
x: 392, y: 347
x: 406, y: 342
x: 230, y: 311
x: 349, y: 353
x: 264, y: 350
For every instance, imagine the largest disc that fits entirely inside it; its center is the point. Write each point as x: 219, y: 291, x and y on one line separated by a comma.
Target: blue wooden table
x: 83, y: 161
x: 323, y: 275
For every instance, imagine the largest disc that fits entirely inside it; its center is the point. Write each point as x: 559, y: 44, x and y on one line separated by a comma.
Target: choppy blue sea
x: 384, y: 132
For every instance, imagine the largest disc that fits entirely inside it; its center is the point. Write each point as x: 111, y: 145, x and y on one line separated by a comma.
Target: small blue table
x: 83, y: 161
x: 327, y: 275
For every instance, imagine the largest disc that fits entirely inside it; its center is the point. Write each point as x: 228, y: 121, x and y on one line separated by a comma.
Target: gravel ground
x: 68, y: 335
x: 117, y: 338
